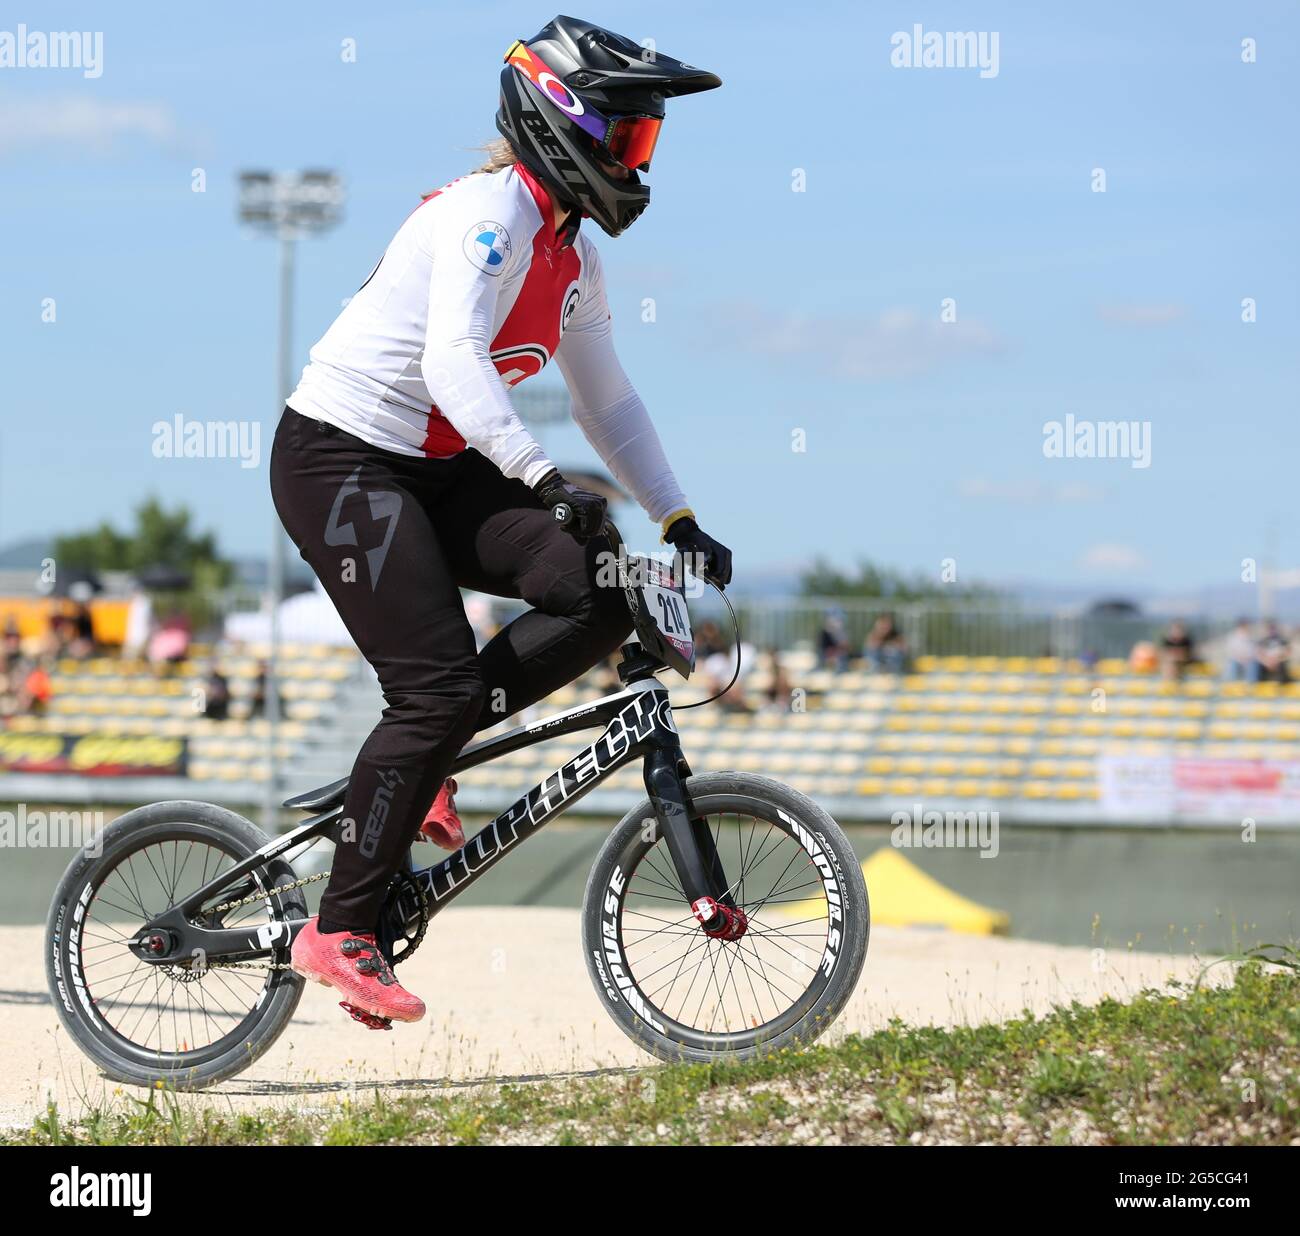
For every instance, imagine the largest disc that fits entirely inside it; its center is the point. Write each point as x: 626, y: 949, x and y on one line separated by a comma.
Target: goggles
x: 629, y: 140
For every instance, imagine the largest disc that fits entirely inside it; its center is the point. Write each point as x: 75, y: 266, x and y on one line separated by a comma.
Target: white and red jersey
x: 474, y: 294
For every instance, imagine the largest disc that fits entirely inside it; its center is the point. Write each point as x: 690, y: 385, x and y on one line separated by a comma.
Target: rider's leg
x: 500, y: 539
x: 359, y: 517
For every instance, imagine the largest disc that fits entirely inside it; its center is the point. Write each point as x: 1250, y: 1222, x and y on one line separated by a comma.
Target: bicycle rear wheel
x: 683, y: 995
x: 188, y: 1024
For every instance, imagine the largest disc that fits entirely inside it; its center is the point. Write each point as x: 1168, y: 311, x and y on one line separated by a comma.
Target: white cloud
x: 83, y: 122
x: 1112, y: 558
x: 1141, y: 315
x: 1029, y: 492
x: 898, y: 343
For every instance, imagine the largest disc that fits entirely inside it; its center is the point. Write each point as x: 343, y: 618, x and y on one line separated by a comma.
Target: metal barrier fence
x: 966, y: 630
x: 970, y: 629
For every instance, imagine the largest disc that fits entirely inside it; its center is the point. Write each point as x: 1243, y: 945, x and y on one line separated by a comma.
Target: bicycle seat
x: 319, y: 800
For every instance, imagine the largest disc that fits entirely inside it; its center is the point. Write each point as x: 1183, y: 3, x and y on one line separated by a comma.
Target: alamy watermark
x: 56, y: 49
x: 183, y: 439
x: 131, y: 1191
x: 1072, y: 439
x: 920, y: 829
x: 52, y: 830
x: 659, y: 569
x: 945, y: 49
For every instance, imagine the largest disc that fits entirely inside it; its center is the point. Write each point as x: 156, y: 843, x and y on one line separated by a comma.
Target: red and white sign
x: 1176, y: 787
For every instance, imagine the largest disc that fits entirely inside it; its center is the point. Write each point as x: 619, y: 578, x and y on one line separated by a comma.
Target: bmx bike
x: 725, y: 915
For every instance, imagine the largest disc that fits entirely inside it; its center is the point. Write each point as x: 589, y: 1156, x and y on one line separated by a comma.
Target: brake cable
x: 735, y: 623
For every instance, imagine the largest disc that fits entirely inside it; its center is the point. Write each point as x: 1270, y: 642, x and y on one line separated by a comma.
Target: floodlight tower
x: 285, y: 205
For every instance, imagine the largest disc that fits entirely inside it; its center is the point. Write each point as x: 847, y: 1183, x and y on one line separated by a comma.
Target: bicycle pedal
x: 369, y: 1020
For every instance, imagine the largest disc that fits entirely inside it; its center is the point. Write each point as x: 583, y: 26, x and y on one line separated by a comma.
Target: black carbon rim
x: 718, y: 995
x: 171, y: 1016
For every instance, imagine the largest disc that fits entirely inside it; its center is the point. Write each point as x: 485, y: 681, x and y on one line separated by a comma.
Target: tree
x: 824, y: 580
x: 160, y: 538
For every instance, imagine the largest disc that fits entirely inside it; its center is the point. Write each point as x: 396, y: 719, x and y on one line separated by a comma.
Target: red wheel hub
x: 720, y: 922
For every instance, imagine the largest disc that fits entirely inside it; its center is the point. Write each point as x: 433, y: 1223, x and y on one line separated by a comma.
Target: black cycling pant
x: 392, y: 539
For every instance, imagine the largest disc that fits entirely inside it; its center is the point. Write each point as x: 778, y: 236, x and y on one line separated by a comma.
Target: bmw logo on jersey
x: 487, y: 245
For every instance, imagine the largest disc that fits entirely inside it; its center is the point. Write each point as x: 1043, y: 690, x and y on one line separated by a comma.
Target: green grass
x: 1192, y: 1064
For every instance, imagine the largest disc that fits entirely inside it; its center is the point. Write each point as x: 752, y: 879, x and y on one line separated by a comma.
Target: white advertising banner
x: 1171, y: 788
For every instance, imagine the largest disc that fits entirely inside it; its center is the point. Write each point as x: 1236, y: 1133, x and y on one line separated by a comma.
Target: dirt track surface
x: 509, y: 999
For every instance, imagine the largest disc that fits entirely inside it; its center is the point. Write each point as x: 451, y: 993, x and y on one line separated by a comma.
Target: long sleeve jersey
x: 474, y: 294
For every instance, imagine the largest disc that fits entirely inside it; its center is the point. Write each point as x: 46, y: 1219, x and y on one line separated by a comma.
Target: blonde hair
x: 498, y: 153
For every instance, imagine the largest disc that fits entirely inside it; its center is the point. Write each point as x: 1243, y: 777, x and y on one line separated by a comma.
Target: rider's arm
x: 457, y: 366
x: 608, y: 409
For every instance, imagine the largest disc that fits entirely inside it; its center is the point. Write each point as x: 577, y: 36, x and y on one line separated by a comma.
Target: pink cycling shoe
x: 352, y: 964
x: 442, y: 825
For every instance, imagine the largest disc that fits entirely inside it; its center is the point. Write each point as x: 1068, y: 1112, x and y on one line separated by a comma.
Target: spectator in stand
x: 606, y: 674
x: 833, y: 641
x: 170, y: 643
x: 139, y: 625
x: 1274, y: 655
x: 1176, y: 651
x: 885, y: 650
x: 1143, y: 659
x: 708, y: 640
x: 11, y: 686
x: 216, y: 695
x: 11, y: 644
x: 81, y: 632
x: 258, y: 706
x: 716, y: 662
x: 1239, y: 662
x: 37, y: 689
x: 58, y: 634
x: 779, y: 692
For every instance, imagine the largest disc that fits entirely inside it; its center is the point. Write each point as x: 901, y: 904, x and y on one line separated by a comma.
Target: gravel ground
x: 509, y: 999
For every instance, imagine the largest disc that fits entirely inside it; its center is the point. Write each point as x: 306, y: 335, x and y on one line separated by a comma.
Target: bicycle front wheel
x: 684, y: 995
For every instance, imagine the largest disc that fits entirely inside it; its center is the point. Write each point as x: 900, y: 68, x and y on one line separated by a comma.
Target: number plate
x: 665, y: 604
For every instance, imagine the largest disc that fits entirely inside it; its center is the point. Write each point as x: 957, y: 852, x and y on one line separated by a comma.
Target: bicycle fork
x: 690, y: 843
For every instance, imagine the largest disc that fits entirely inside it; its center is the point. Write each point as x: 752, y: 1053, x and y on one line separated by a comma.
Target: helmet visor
x: 632, y: 140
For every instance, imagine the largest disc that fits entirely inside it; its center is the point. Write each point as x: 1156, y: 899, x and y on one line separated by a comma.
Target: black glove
x: 688, y: 538
x: 579, y: 511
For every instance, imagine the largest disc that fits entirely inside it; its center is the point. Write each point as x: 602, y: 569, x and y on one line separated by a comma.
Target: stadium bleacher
x: 123, y: 696
x: 1007, y: 731
x: 1021, y: 734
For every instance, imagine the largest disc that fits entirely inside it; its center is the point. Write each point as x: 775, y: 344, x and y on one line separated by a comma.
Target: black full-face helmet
x: 576, y: 96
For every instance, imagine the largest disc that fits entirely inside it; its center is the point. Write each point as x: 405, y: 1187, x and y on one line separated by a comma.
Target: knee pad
x: 605, y: 614
x: 437, y: 714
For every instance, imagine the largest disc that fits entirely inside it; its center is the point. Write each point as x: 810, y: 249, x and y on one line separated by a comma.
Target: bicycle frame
x: 637, y: 723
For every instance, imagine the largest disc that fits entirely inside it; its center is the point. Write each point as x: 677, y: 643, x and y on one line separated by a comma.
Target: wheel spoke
x: 715, y: 987
x: 167, y: 1009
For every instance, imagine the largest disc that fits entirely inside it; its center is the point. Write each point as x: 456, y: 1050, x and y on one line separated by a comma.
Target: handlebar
x: 616, y: 543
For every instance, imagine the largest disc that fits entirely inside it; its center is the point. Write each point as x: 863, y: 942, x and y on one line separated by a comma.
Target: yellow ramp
x: 902, y: 895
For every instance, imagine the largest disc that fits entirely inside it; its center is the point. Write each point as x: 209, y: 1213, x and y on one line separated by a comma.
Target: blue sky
x: 775, y: 311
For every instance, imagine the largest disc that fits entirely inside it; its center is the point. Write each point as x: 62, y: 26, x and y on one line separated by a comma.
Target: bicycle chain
x: 226, y: 906
x: 274, y: 892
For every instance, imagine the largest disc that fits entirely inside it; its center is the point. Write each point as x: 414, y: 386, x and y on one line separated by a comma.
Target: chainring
x: 396, y: 938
